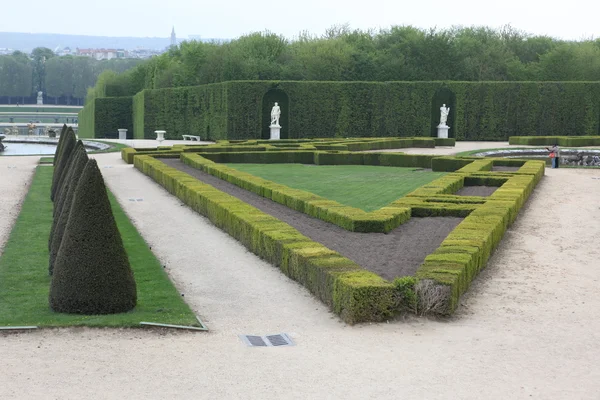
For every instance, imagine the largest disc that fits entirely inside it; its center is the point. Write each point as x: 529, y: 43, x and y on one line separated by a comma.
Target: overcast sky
x: 227, y: 19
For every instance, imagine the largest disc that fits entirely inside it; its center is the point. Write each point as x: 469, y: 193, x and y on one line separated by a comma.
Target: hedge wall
x: 479, y: 110
x: 580, y: 141
x: 195, y: 110
x: 498, y: 110
x: 86, y: 121
x: 104, y: 116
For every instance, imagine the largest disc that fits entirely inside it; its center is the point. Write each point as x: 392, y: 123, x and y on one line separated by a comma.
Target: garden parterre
x: 355, y: 294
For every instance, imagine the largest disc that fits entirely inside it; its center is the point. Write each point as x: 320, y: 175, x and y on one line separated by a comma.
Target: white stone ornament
x: 275, y: 127
x: 160, y: 135
x: 442, y: 127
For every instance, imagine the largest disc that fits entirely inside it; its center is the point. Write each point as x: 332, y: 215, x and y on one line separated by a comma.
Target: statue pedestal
x: 123, y: 134
x: 275, y: 132
x: 443, y: 131
x: 160, y: 135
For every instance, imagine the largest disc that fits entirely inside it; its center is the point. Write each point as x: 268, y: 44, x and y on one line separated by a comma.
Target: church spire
x: 173, y: 37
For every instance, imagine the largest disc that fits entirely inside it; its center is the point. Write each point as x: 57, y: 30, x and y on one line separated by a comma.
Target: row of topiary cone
x: 90, y: 269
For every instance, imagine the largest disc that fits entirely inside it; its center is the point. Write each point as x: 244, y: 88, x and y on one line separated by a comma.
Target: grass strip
x: 24, y: 280
x: 362, y: 186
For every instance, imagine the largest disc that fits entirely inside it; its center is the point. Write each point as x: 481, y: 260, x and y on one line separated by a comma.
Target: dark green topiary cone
x: 92, y: 274
x: 65, y: 179
x: 63, y: 204
x: 61, y: 141
x: 65, y: 154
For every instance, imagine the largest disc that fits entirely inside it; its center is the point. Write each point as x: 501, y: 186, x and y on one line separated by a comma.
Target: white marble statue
x: 40, y: 98
x: 444, y: 114
x: 275, y: 114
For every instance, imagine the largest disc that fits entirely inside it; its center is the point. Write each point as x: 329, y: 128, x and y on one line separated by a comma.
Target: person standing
x: 554, y: 155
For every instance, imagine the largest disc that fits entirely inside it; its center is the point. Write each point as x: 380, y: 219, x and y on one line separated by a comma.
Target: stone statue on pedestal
x: 444, y: 111
x: 40, y: 98
x: 275, y: 114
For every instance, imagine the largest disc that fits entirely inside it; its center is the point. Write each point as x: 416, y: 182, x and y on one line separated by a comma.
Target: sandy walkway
x: 528, y: 328
x: 15, y: 176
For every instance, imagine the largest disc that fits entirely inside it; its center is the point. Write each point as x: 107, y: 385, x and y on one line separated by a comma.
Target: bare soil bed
x: 398, y: 253
x: 505, y: 169
x: 483, y: 191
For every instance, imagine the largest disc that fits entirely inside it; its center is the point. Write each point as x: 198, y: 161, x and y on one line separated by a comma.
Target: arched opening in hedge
x: 269, y: 99
x: 443, y: 96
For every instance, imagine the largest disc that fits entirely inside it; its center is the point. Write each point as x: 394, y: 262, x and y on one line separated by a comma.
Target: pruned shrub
x: 63, y: 204
x: 68, y: 172
x: 61, y: 142
x: 92, y: 274
x: 405, y: 290
x: 64, y: 156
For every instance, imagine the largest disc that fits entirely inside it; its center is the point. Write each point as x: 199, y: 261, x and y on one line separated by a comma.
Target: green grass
x: 25, y: 284
x: 366, y: 187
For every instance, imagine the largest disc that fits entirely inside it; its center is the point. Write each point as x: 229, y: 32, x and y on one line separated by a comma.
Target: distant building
x: 63, y: 52
x: 4, y: 51
x: 173, y: 38
x: 195, y: 37
x: 102, y: 54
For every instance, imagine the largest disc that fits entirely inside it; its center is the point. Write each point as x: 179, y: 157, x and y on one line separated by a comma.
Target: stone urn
x: 122, y: 134
x: 160, y: 135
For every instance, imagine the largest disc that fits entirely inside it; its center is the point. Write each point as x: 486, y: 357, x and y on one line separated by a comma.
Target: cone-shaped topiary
x: 65, y: 154
x: 62, y: 205
x: 64, y: 181
x: 61, y: 141
x: 92, y: 274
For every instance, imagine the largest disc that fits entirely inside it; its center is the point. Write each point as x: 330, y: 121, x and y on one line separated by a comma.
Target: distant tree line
x: 401, y: 53
x: 64, y: 80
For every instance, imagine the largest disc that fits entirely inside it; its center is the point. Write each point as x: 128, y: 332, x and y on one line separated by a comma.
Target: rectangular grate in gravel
x: 278, y: 340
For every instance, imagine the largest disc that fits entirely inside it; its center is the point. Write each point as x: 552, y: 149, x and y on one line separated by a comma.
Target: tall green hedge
x: 498, y: 110
x: 481, y: 110
x: 103, y: 117
x: 194, y: 110
x: 86, y: 120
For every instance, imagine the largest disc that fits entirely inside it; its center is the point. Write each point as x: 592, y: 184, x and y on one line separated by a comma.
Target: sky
x: 229, y: 19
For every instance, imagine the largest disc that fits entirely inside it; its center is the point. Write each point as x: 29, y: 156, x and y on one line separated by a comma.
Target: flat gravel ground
x: 529, y: 326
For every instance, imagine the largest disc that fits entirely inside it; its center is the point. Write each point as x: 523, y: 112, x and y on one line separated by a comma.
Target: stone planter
x: 160, y: 135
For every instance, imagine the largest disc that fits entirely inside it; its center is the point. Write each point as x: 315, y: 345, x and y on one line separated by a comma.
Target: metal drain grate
x: 131, y: 199
x: 278, y: 340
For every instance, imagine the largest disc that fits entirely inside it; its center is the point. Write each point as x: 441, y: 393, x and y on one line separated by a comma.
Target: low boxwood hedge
x: 355, y: 294
x: 350, y: 218
x: 570, y: 141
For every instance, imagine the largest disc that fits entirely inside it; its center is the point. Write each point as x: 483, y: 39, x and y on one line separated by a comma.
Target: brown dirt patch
x: 505, y: 169
x: 398, y: 253
x: 482, y: 191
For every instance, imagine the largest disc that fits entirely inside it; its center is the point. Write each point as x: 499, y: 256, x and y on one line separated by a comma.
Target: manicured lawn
x: 24, y: 280
x: 366, y: 187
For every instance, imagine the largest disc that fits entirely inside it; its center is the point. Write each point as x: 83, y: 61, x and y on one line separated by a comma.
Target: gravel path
x: 529, y: 327
x: 396, y: 254
x: 16, y: 174
x: 483, y: 191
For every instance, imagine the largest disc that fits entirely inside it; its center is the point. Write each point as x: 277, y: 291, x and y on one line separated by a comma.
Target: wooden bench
x: 191, y: 137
